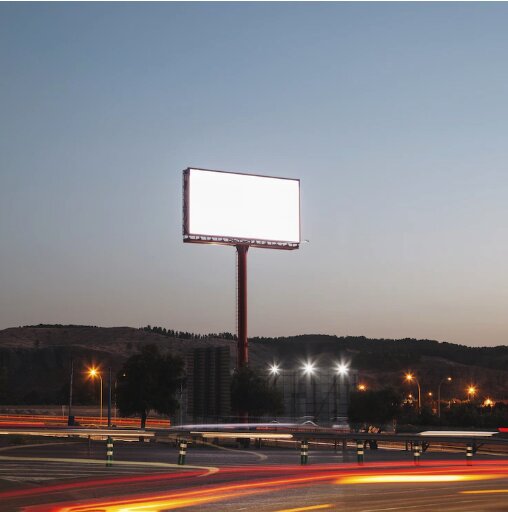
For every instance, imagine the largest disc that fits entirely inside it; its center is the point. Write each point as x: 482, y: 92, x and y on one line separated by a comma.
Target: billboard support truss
x: 243, y: 351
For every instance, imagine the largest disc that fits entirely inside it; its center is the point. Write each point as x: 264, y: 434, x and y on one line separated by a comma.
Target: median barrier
x: 182, y: 452
x: 469, y: 454
x: 109, y: 451
x: 359, y: 452
x: 416, y: 453
x: 304, y: 452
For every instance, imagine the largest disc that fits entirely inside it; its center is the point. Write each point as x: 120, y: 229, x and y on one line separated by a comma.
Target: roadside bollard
x: 416, y: 454
x: 182, y: 451
x: 304, y: 452
x: 359, y: 452
x: 469, y: 454
x: 109, y: 451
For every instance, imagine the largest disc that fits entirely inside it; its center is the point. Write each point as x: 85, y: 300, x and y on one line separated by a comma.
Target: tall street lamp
x: 309, y: 369
x: 410, y: 378
x: 274, y: 370
x: 341, y: 371
x: 446, y: 379
x: 471, y: 392
x: 70, y: 417
x: 109, y: 397
x: 93, y: 373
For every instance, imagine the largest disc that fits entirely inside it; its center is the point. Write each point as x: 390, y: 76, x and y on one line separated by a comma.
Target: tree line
x: 381, y: 407
x: 184, y: 335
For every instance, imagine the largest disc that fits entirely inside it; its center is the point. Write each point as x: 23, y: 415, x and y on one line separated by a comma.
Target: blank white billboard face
x: 242, y: 206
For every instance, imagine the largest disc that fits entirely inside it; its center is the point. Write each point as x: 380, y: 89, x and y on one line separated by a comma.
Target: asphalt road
x: 60, y: 475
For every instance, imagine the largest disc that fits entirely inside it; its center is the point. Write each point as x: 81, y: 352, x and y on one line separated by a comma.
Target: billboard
x: 232, y: 208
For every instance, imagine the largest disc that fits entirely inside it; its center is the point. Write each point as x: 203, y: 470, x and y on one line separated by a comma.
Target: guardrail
x: 470, y: 440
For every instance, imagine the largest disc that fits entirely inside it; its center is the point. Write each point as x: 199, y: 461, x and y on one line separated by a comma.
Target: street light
x: 93, y: 373
x: 341, y: 372
x: 362, y: 387
x: 471, y: 391
x: 410, y: 377
x: 274, y: 369
x: 446, y: 379
x: 342, y: 369
x: 308, y: 368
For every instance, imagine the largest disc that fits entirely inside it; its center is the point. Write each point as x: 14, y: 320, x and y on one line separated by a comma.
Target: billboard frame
x: 197, y: 238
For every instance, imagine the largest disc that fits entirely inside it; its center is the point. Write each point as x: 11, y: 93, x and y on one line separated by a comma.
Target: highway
x: 71, y: 476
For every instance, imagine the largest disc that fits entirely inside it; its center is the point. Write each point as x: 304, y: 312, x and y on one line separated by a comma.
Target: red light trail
x: 282, y: 478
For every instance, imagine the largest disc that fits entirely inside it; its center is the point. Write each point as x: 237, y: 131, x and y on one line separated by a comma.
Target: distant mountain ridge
x: 31, y: 355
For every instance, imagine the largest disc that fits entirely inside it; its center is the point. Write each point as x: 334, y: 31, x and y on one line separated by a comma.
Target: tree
x: 149, y: 381
x: 252, y: 394
x: 373, y: 407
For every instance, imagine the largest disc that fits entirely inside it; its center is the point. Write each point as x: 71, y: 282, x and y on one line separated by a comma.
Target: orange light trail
x: 348, y: 475
x: 411, y: 479
x: 486, y: 491
x: 187, y: 498
x: 335, y: 471
x: 302, y: 509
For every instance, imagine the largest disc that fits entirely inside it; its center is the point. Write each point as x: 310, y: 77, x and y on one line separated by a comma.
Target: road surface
x: 72, y: 477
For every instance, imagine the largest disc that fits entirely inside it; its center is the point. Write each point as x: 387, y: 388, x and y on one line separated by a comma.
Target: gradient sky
x: 394, y: 117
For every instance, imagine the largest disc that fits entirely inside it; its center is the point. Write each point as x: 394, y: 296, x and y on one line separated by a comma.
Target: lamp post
x: 70, y: 418
x: 446, y: 379
x: 308, y: 369
x: 410, y: 378
x: 93, y: 372
x: 274, y: 370
x: 471, y: 392
x: 341, y: 371
x: 109, y: 398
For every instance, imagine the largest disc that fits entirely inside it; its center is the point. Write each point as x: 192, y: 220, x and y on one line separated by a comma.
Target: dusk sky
x: 393, y: 116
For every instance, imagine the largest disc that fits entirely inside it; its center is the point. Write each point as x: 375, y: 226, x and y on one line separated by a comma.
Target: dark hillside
x: 35, y: 361
x: 382, y: 362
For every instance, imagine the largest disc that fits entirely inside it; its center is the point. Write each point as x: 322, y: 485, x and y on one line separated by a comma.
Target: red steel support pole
x: 243, y: 352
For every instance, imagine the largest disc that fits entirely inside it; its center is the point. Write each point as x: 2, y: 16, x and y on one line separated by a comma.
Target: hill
x: 383, y: 362
x: 35, y: 360
x: 32, y: 355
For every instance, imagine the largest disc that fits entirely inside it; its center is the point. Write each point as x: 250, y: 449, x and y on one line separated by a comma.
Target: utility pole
x: 109, y: 398
x: 70, y: 418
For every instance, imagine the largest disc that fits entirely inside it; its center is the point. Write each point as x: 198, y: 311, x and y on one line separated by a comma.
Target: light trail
x: 194, y: 497
x: 302, y: 509
x: 412, y: 479
x: 340, y: 470
x: 456, y: 433
x: 105, y: 482
x: 243, y: 435
x: 486, y: 491
x: 45, y: 420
